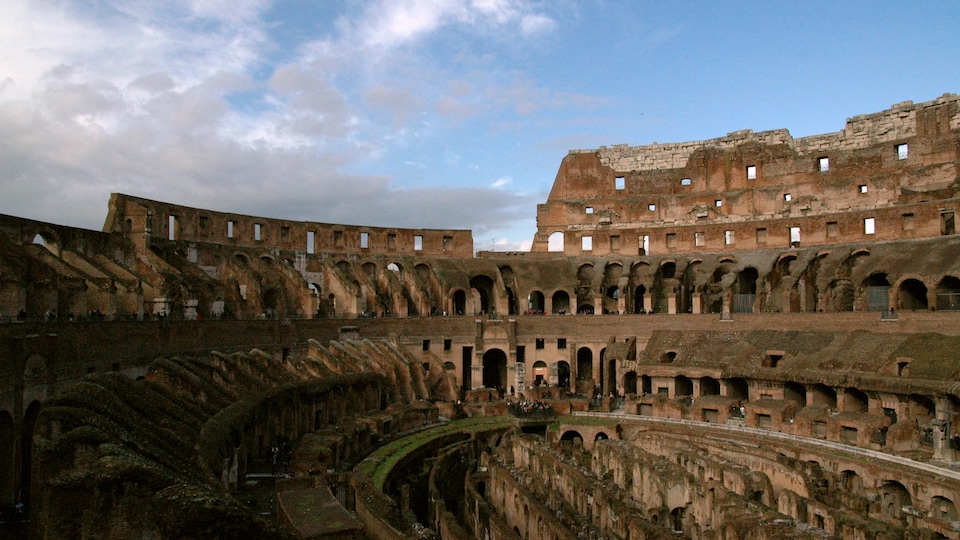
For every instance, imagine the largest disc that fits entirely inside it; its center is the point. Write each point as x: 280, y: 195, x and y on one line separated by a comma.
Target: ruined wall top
x: 143, y: 219
x: 861, y: 131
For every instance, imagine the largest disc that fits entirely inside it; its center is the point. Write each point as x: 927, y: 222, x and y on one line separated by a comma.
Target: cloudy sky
x: 419, y: 113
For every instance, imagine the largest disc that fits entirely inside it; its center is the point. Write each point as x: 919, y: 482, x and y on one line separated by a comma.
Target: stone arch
x: 459, y: 301
x: 611, y: 287
x: 855, y: 400
x: 948, y: 294
x: 535, y: 302
x: 572, y: 436
x: 795, y: 392
x: 563, y: 374
x: 912, y: 294
x: 48, y: 240
x: 555, y: 242
x: 585, y: 365
x: 510, y: 287
x: 851, y: 482
x: 921, y: 408
x: 561, y: 302
x: 395, y: 267
x: 484, y: 285
x: 639, y: 296
x: 585, y: 288
x: 876, y: 288
x: 601, y: 436
x: 893, y: 497
x: 709, y: 386
x: 495, y: 369
x: 449, y: 366
x: 943, y: 509
x: 630, y: 383
x: 541, y: 374
x: 683, y: 386
x: 824, y: 395
x: 738, y: 388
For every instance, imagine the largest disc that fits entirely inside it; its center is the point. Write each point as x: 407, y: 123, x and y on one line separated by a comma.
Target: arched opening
x: 585, y: 289
x: 584, y: 364
x: 683, y: 386
x: 601, y: 436
x: 893, y: 497
x: 611, y: 376
x: 561, y: 302
x: 535, y: 302
x: 555, y: 242
x: 738, y: 389
x: 943, y: 509
x: 563, y: 374
x: 745, y: 288
x: 948, y: 294
x: 450, y: 367
x: 709, y: 386
x: 630, y: 383
x: 484, y: 286
x: 877, y: 291
x: 271, y: 301
x: 824, y: 395
x: 394, y: 267
x: 459, y: 302
x: 921, y: 408
x: 639, y: 295
x: 795, y: 392
x: 668, y: 357
x: 540, y: 373
x: 572, y: 436
x: 646, y: 385
x: 855, y: 400
x: 676, y: 519
x: 495, y: 369
x: 913, y: 294
x: 851, y: 482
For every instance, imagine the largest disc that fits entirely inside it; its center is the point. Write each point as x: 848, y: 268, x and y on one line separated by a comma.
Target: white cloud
x: 501, y: 182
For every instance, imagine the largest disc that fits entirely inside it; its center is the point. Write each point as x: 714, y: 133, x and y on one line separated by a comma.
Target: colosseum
x: 749, y: 337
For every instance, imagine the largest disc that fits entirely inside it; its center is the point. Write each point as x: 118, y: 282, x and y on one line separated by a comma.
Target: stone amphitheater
x: 746, y: 337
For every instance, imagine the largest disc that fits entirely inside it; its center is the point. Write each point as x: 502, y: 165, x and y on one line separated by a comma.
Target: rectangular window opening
x: 718, y: 203
x: 589, y: 210
x: 311, y: 236
x: 447, y: 344
x: 447, y: 242
x: 540, y: 343
x: 229, y: 229
x: 561, y: 343
x: 832, y: 229
x: 862, y: 188
x: 907, y: 222
x: 762, y: 236
x: 728, y: 238
x: 418, y: 242
x: 620, y: 183
x: 869, y: 226
x: 644, y: 244
x: 686, y: 182
x: 391, y: 241
x: 426, y: 345
x: 947, y: 225
x: 902, y: 151
x: 338, y: 238
x: 586, y: 243
x: 614, y: 243
x: 284, y: 232
x: 794, y: 236
x: 172, y: 228
x: 671, y: 240
x: 257, y: 230
x: 652, y: 207
x: 823, y: 164
x: 364, y: 240
x: 787, y: 197
x: 699, y: 239
x: 751, y: 172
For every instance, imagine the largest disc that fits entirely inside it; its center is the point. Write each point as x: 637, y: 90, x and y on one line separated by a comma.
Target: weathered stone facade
x: 220, y: 331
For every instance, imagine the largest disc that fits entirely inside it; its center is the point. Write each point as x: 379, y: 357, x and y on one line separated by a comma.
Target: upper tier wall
x: 143, y: 218
x: 861, y: 131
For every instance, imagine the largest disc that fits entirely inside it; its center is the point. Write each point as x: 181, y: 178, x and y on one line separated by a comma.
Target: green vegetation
x: 378, y: 465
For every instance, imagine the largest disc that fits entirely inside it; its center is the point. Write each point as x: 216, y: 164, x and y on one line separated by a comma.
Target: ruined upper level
x: 886, y: 175
x: 143, y: 219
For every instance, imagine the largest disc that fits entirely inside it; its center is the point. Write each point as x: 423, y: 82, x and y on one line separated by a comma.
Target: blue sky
x: 419, y: 113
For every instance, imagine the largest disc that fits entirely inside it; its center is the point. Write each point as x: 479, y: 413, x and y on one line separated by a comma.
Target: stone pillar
x: 697, y: 303
x: 942, y: 431
x: 598, y: 304
x: 547, y: 304
x: 672, y: 303
x: 648, y: 303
